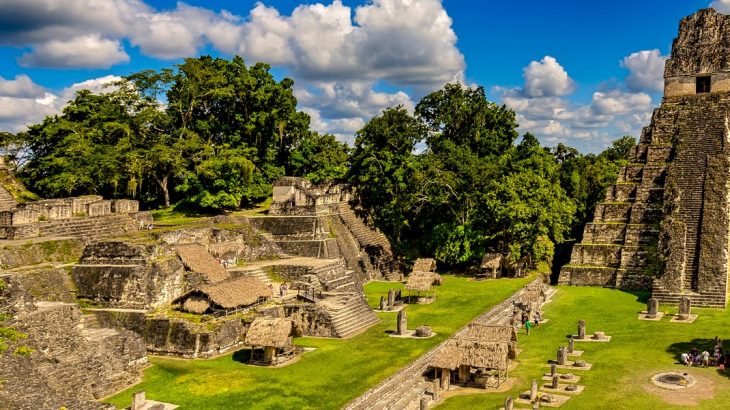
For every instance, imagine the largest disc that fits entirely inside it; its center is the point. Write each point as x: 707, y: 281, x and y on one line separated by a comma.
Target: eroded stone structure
x: 87, y: 216
x: 664, y: 225
x: 317, y: 221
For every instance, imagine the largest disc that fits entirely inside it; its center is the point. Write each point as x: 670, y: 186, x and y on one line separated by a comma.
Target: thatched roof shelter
x: 424, y: 265
x: 227, y: 295
x: 422, y: 281
x: 272, y: 332
x: 474, y: 353
x: 490, y: 333
x: 491, y: 261
x: 197, y: 259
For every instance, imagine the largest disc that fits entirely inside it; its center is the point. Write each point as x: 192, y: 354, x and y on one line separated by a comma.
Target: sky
x: 582, y: 73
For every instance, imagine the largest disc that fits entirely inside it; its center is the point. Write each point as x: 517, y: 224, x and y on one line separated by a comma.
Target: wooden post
x: 464, y: 373
x: 269, y: 354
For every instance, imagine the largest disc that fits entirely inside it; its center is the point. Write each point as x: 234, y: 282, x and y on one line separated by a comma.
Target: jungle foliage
x: 451, y: 180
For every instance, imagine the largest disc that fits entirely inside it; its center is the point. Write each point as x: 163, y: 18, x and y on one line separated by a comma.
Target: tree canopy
x: 452, y: 179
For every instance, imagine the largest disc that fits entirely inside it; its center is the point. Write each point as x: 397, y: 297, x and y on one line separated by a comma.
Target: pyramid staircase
x: 352, y: 316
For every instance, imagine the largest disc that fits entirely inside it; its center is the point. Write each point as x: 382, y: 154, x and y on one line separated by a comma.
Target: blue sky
x: 582, y: 73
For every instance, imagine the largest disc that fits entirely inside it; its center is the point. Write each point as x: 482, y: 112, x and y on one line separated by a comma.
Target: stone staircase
x: 257, y: 273
x: 365, y: 235
x: 90, y: 228
x: 714, y: 298
x: 352, y: 317
x: 336, y: 278
x: 372, y: 243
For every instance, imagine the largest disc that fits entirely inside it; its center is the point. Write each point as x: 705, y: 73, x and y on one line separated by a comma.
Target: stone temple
x: 665, y: 224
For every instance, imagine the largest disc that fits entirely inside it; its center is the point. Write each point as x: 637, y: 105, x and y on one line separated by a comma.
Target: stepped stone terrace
x: 77, y: 216
x: 665, y: 224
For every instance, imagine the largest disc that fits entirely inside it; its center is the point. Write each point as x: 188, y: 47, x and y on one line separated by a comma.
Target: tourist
x: 281, y: 291
x: 537, y: 319
x: 705, y: 356
x: 686, y: 359
x: 528, y: 325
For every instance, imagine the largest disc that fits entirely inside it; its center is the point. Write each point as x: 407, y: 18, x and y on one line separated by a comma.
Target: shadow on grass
x: 242, y: 356
x: 642, y: 296
x: 676, y: 349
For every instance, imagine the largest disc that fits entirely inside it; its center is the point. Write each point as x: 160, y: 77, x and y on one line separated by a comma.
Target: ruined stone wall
x: 312, y: 320
x: 71, y: 364
x: 54, y: 251
x: 177, y: 337
x: 116, y: 274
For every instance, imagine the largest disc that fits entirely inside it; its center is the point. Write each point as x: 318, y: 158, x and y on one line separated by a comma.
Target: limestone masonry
x: 664, y: 225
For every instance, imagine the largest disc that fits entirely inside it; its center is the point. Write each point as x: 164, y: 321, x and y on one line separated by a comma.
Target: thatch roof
x: 196, y: 304
x: 197, y: 259
x: 490, y: 333
x: 229, y: 294
x: 491, y: 261
x: 272, y: 332
x: 424, y: 265
x: 474, y: 353
x: 236, y: 292
x: 422, y: 281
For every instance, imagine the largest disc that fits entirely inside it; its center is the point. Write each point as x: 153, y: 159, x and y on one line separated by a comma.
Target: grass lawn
x: 329, y: 377
x: 621, y: 368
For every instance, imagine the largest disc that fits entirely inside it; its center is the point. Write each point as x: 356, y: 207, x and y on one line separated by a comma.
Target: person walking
x: 528, y: 325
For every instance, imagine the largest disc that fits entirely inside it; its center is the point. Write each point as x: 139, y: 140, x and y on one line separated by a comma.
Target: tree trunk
x: 165, y: 190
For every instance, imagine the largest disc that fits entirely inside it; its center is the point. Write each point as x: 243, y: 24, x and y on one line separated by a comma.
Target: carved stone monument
x: 533, y: 390
x: 391, y: 298
x: 509, y: 403
x: 555, y: 383
x: 685, y: 308
x: 581, y: 330
x: 382, y: 303
x: 652, y: 308
x: 562, y: 356
x: 402, y: 323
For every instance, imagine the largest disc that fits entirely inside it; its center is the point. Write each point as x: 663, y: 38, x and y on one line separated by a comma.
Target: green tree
x: 382, y: 166
x: 319, y: 158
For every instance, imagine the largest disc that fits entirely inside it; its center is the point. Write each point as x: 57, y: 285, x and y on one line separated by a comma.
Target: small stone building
x: 472, y: 362
x: 272, y: 340
x: 491, y: 266
x: 226, y: 296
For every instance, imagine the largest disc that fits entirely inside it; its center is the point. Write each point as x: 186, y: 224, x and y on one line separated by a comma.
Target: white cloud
x: 617, y: 102
x: 23, y: 102
x: 88, y: 51
x: 546, y: 78
x: 646, y: 70
x: 343, y: 108
x: 543, y: 109
x: 340, y: 54
x: 722, y: 6
x: 405, y: 42
x: 22, y: 86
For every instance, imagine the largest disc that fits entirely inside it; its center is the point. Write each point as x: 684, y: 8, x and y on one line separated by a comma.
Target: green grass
x: 332, y: 375
x: 621, y: 368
